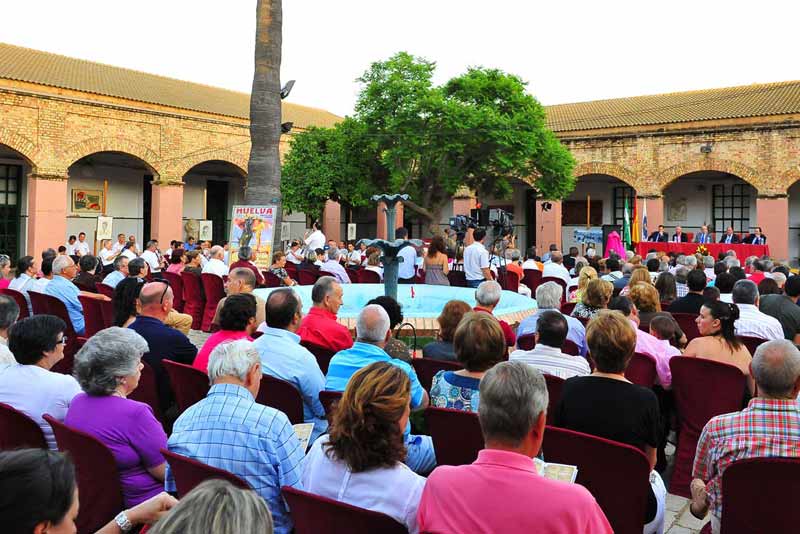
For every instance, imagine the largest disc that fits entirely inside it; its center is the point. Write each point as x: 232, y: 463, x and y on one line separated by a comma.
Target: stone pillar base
x: 47, y: 213
x: 167, y: 213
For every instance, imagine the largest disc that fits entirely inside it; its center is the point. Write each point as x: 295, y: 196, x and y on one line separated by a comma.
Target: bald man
x: 165, y: 342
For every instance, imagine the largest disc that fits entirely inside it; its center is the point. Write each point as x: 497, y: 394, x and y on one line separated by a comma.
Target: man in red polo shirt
x: 320, y: 326
x: 487, y: 296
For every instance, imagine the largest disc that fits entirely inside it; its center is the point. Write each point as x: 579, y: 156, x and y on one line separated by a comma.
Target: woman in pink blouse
x: 237, y: 320
x: 177, y: 261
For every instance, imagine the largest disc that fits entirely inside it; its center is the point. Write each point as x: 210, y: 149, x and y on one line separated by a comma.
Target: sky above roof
x: 567, y: 51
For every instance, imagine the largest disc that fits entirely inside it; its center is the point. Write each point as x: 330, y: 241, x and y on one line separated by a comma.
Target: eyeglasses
x: 166, y: 288
x: 62, y: 341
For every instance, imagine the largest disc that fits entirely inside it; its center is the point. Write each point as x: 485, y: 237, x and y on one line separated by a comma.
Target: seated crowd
x: 371, y: 448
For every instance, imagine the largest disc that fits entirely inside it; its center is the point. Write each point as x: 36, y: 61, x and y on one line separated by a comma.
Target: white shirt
x: 315, y: 240
x: 39, y: 285
x: 754, y: 323
x: 106, y: 256
x: 394, y: 491
x: 557, y: 270
x: 551, y: 361
x: 81, y: 248
x: 726, y: 297
x: 405, y: 268
x: 354, y: 258
x: 530, y: 264
x: 294, y: 256
x: 476, y: 257
x: 71, y: 249
x: 128, y: 253
x: 215, y: 266
x: 23, y: 283
x: 5, y: 354
x: 152, y: 260
x: 35, y: 391
x: 117, y: 246
x: 375, y: 268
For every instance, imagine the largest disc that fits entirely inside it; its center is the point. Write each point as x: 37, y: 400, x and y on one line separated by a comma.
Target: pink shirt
x: 221, y: 336
x: 502, y: 492
x: 660, y: 350
x: 176, y: 268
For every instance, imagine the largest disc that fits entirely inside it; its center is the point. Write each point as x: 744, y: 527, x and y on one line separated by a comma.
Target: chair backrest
x: 354, y: 275
x: 321, y: 273
x: 92, y: 314
x: 176, y: 283
x: 147, y: 390
x: 749, y: 487
x: 38, y: 302
x: 426, y: 368
x: 532, y: 278
x: 510, y: 281
x: 18, y: 431
x: 55, y: 307
x: 215, y: 291
x: 602, y: 464
x: 107, y: 311
x: 193, y: 298
x: 314, y: 514
x: 687, y: 323
x: 189, y: 385
x: 554, y: 386
x: 457, y: 278
x: 526, y: 342
x: 271, y: 280
x: 19, y: 298
x: 105, y: 289
x: 281, y: 395
x: 307, y: 277
x: 189, y: 473
x: 328, y: 399
x: 291, y: 270
x: 567, y: 307
x: 322, y: 354
x: 456, y: 435
x: 702, y: 389
x: 570, y: 347
x: 751, y: 343
x: 641, y: 370
x: 369, y: 277
x: 98, y: 478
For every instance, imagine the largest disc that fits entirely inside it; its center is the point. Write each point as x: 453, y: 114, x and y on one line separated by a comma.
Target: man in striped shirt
x: 768, y: 427
x: 546, y: 356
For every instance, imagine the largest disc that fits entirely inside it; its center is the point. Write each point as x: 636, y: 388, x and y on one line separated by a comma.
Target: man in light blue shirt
x: 229, y: 430
x: 372, y: 332
x: 63, y: 289
x: 25, y: 279
x: 282, y: 355
x: 119, y: 273
x: 548, y: 297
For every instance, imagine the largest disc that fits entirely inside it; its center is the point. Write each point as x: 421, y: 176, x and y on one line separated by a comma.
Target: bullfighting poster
x: 253, y: 226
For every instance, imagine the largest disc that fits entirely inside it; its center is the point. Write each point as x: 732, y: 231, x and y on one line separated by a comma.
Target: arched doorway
x: 121, y: 185
x: 13, y: 200
x: 715, y: 198
x: 210, y: 191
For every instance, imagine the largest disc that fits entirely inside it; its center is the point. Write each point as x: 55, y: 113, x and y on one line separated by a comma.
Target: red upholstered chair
x: 509, y: 280
x: 19, y: 298
x: 369, y: 277
x: 426, y: 368
x: 270, y: 280
x: 74, y: 343
x: 329, y: 400
x: 554, y: 385
x: 215, y: 291
x: 532, y: 278
x: 98, y: 478
x: 147, y: 390
x: 567, y: 307
x: 38, y: 302
x: 307, y: 277
x: 281, y: 395
x: 189, y: 473
x: 602, y: 464
x: 750, y: 487
x: 107, y: 311
x: 702, y: 389
x: 193, y: 298
x: 325, y: 273
x: 355, y: 275
x: 314, y: 514
x: 457, y: 278
x: 569, y: 347
x: 176, y: 283
x: 584, y: 320
x: 456, y: 434
x: 558, y: 281
x: 687, y: 323
x: 18, y: 431
x: 92, y: 314
x: 751, y: 343
x: 322, y: 354
x: 526, y: 342
x: 291, y: 270
x: 106, y: 290
x: 190, y: 385
x: 641, y: 370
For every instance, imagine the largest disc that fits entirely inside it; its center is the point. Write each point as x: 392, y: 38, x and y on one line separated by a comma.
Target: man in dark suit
x: 729, y: 238
x: 660, y: 236
x: 756, y: 238
x: 679, y: 236
x: 703, y: 236
x: 691, y: 303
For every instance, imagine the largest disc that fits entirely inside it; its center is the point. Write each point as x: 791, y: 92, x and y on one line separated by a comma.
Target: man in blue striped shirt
x: 228, y: 430
x: 372, y: 332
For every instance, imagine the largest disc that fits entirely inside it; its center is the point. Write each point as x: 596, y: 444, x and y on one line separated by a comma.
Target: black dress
x: 614, y: 410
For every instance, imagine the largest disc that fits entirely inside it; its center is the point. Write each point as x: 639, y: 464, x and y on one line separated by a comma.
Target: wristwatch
x: 122, y: 522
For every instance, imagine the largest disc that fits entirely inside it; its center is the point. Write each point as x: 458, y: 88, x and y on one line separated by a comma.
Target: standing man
x: 679, y: 236
x: 660, y: 236
x: 703, y: 236
x: 406, y: 271
x: 315, y: 239
x: 729, y: 238
x: 476, y: 260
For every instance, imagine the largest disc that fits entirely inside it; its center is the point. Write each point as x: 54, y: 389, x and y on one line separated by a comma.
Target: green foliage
x: 479, y: 130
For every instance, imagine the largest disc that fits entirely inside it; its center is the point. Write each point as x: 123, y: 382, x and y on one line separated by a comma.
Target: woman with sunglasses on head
x: 5, y: 270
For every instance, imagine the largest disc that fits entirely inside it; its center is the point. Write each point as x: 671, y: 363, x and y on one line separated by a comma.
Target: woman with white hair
x: 108, y: 368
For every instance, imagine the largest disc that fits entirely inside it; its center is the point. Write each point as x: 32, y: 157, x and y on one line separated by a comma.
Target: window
x: 10, y: 176
x: 730, y: 205
x: 620, y: 193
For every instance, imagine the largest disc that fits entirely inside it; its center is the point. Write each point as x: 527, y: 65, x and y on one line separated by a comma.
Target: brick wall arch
x: 186, y: 163
x: 20, y: 144
x: 609, y: 169
x: 110, y: 144
x: 667, y: 176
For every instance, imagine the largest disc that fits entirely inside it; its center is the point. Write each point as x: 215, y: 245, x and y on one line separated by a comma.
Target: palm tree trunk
x: 264, y: 167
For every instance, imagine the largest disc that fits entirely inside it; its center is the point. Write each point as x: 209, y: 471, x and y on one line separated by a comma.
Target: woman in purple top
x: 108, y: 368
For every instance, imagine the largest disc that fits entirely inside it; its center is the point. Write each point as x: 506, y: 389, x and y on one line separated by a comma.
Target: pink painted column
x: 655, y: 212
x: 332, y: 220
x: 548, y: 225
x: 47, y: 212
x: 772, y: 215
x: 167, y: 212
x: 381, y: 220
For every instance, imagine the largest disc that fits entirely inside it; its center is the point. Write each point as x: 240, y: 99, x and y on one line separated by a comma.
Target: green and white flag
x: 626, y: 226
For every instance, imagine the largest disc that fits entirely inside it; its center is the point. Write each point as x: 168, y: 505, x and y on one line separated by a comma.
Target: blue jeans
x: 474, y: 283
x: 421, y: 457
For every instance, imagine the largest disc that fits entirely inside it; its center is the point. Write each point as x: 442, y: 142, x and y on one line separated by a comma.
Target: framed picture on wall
x: 206, y: 231
x: 87, y: 201
x: 104, y: 228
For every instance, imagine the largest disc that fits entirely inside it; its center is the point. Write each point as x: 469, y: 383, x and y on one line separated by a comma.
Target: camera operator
x: 476, y: 260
